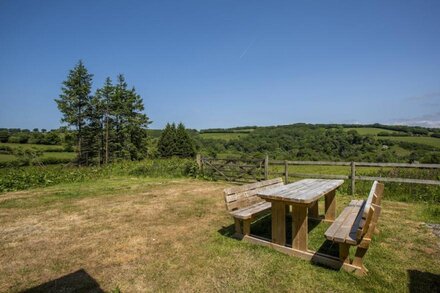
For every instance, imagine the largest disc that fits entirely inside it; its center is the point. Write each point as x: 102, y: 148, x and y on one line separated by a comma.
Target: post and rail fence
x: 246, y: 170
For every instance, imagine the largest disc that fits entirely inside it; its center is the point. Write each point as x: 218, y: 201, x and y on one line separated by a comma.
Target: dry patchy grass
x: 172, y: 235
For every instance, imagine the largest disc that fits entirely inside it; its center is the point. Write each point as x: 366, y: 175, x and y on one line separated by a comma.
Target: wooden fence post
x: 266, y: 167
x: 199, y: 161
x: 353, y: 178
x: 286, y: 172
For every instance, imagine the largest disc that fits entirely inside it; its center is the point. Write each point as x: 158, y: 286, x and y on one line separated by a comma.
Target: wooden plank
x: 370, y: 198
x: 248, y: 212
x: 242, y: 188
x: 330, y: 205
x: 322, y: 163
x: 233, y: 160
x: 250, y: 192
x: 342, y: 235
x: 332, y: 230
x: 399, y: 180
x: 314, y: 210
x: 344, y: 251
x: 360, y: 164
x: 246, y: 202
x: 315, y: 193
x: 299, y: 227
x: 355, y: 233
x: 304, y: 191
x: 237, y: 224
x: 402, y: 165
x: 278, y: 223
x: 353, y: 178
x: 318, y: 176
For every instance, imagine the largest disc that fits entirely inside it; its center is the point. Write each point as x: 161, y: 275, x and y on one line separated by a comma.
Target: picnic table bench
x: 244, y: 205
x: 355, y: 227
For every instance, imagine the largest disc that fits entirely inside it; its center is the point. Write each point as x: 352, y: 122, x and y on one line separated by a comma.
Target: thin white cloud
x: 247, y: 48
x: 432, y: 96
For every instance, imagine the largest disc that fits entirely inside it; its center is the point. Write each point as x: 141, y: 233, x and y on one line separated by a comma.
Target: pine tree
x: 130, y: 122
x: 184, y: 143
x: 166, y: 145
x: 74, y: 101
x: 175, y: 142
x: 105, y: 96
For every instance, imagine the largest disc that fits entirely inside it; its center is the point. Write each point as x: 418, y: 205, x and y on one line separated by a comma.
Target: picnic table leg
x: 279, y: 223
x: 313, y: 210
x: 330, y: 206
x: 299, y: 227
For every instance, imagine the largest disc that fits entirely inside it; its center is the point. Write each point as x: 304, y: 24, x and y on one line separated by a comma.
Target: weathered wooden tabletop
x: 302, y: 192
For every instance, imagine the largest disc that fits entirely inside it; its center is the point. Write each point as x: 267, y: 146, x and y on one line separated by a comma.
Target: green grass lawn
x: 33, y: 146
x: 431, y: 141
x: 7, y: 158
x: 46, y: 155
x: 369, y: 130
x: 143, y: 234
x: 59, y: 155
x: 223, y: 135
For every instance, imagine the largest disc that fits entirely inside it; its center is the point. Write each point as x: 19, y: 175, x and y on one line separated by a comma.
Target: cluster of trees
x: 22, y: 136
x: 109, y: 124
x: 175, y: 142
x: 314, y: 142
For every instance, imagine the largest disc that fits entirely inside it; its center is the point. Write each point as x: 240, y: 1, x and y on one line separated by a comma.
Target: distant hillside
x: 375, y: 142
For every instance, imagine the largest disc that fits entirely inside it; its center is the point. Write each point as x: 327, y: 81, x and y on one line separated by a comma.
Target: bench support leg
x: 359, y: 255
x: 344, y: 251
x: 238, y: 230
x: 247, y: 226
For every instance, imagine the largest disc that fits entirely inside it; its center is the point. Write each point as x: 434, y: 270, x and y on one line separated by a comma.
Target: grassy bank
x: 143, y: 234
x: 20, y: 178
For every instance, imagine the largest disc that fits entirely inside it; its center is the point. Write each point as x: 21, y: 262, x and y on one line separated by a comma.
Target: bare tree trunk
x: 106, y: 139
x: 79, y: 144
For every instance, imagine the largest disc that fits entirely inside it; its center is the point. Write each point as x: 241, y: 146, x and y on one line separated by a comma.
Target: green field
x: 431, y: 141
x: 223, y: 135
x: 55, y: 152
x: 42, y: 147
x: 7, y: 158
x: 46, y: 155
x: 370, y: 130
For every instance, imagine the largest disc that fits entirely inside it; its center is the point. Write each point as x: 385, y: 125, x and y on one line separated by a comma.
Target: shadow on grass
x: 423, y: 282
x: 263, y: 228
x: 79, y: 281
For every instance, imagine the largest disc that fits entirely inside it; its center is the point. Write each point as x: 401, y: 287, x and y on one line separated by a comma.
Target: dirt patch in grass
x: 141, y: 235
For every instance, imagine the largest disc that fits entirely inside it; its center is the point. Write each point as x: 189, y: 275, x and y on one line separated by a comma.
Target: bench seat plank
x: 345, y: 228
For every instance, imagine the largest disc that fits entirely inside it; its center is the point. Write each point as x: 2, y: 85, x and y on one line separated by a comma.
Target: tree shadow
x: 79, y: 281
x: 423, y: 282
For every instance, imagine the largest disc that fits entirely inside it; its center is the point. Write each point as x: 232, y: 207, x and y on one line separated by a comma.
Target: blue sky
x: 225, y: 63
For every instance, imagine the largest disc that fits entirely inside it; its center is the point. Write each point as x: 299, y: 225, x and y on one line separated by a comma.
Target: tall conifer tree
x: 74, y: 101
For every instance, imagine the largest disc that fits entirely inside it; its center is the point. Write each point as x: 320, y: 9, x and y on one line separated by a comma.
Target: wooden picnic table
x: 303, y: 196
